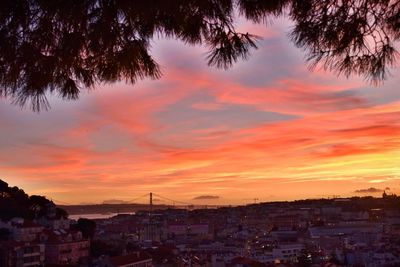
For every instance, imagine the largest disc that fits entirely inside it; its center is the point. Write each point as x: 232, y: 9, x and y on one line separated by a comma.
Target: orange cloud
x: 117, y: 143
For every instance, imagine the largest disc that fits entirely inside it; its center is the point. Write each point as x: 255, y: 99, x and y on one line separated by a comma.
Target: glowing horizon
x: 268, y: 128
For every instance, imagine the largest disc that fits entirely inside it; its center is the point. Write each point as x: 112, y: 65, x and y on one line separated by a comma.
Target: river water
x: 93, y: 216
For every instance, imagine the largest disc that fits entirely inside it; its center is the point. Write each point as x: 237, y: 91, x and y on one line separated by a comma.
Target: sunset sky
x: 268, y: 128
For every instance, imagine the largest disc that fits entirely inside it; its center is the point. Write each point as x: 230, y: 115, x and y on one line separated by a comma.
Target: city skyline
x: 273, y: 131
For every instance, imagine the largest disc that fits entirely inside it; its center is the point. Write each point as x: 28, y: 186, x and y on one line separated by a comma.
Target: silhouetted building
x: 64, y: 247
x: 21, y: 254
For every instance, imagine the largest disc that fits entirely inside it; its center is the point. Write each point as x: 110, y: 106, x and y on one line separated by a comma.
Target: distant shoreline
x: 132, y: 208
x: 121, y: 208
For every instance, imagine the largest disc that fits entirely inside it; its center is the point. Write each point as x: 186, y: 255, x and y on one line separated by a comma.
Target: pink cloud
x: 207, y: 106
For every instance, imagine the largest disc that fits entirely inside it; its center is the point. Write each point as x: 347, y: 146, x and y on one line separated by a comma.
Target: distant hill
x: 115, y: 201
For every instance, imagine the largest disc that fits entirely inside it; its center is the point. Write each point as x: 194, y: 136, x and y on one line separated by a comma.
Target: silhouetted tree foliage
x: 65, y: 46
x: 99, y: 248
x: 5, y: 234
x: 14, y: 202
x: 61, y: 213
x: 163, y: 255
x: 348, y: 36
x: 86, y: 226
x: 304, y: 259
x: 132, y: 247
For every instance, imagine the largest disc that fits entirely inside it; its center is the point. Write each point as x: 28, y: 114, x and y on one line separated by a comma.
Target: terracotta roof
x: 61, y: 236
x: 26, y: 224
x: 247, y: 261
x: 60, y: 265
x: 130, y: 258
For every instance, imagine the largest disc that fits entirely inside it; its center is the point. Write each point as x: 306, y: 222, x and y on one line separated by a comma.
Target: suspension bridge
x: 149, y: 199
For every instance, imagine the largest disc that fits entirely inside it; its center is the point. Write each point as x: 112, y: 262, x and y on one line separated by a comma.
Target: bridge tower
x: 151, y: 201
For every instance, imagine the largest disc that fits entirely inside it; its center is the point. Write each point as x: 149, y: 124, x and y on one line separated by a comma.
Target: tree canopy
x: 14, y: 202
x: 66, y: 46
x: 86, y: 226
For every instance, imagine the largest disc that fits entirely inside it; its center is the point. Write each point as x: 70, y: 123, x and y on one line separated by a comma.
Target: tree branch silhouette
x: 63, y: 46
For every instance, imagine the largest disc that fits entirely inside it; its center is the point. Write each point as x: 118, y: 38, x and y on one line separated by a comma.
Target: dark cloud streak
x: 369, y: 190
x: 206, y: 197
